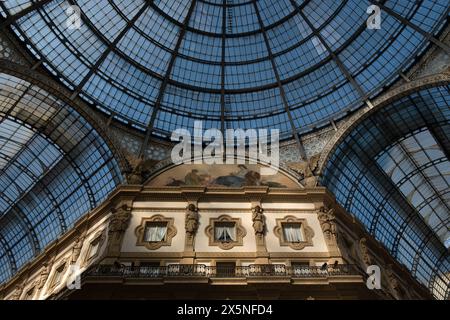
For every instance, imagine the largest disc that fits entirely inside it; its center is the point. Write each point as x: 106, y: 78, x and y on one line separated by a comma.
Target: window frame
x: 240, y: 232
x: 170, y: 232
x: 308, y: 233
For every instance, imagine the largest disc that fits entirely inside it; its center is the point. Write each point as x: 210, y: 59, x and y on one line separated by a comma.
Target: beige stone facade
x: 108, y: 249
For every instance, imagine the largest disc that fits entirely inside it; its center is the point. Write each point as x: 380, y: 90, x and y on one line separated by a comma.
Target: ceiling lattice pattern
x: 392, y: 173
x: 54, y: 168
x: 287, y: 64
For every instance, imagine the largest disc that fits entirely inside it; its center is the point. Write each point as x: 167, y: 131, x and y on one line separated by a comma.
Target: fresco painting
x: 232, y: 176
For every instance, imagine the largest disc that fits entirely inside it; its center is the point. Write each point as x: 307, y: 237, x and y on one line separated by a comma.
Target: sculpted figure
x: 140, y: 170
x: 120, y: 219
x: 393, y: 282
x: 258, y: 220
x: 307, y: 170
x: 327, y: 222
x: 191, y: 224
x: 118, y: 224
x: 44, y: 275
x: 365, y: 252
x: 76, y: 250
x: 17, y: 292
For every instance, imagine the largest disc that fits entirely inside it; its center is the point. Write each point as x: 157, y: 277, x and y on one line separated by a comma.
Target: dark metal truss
x: 356, y: 151
x: 224, y: 116
x: 37, y: 187
x: 163, y: 87
x: 405, y: 21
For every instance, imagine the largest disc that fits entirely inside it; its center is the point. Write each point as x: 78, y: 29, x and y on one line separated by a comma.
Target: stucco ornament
x: 307, y: 170
x: 365, y: 255
x: 17, y: 292
x: 327, y: 222
x: 120, y: 219
x: 141, y: 170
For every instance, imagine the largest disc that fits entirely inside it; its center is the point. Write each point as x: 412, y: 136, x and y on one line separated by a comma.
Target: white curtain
x: 293, y: 233
x: 155, y: 233
x: 225, y: 233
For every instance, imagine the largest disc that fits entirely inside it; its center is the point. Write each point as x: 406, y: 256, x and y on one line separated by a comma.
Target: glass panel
x: 155, y: 231
x: 292, y: 232
x: 225, y: 231
x: 120, y: 66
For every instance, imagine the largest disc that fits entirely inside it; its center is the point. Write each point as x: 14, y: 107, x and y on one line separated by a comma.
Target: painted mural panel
x: 232, y: 176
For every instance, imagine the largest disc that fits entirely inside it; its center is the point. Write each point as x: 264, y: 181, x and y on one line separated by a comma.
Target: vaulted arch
x: 54, y: 167
x: 390, y: 169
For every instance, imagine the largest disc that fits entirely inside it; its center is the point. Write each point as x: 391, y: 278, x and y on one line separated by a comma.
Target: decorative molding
x: 98, y: 240
x: 59, y: 269
x: 154, y: 255
x: 225, y: 255
x: 17, y: 293
x: 240, y: 232
x: 170, y: 233
x: 307, y: 232
x: 300, y: 255
x: 364, y: 250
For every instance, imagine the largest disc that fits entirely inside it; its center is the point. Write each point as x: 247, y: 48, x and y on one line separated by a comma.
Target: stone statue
x: 258, y: 221
x: 191, y: 224
x: 365, y: 255
x: 76, y: 250
x: 17, y: 292
x: 140, y: 170
x: 44, y: 275
x: 327, y: 222
x: 118, y: 224
x: 393, y: 282
x: 307, y: 170
x: 120, y: 219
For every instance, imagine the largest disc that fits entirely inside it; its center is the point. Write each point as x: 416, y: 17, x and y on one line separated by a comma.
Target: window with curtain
x: 155, y: 231
x: 292, y: 232
x: 225, y: 231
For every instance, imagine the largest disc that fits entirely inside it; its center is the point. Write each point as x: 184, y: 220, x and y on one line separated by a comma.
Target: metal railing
x: 200, y: 270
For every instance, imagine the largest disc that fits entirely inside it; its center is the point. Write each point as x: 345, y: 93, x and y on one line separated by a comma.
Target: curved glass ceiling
x: 285, y: 64
x: 392, y: 171
x: 54, y: 168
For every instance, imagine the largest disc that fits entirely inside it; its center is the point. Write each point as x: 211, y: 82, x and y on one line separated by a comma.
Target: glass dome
x: 287, y: 64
